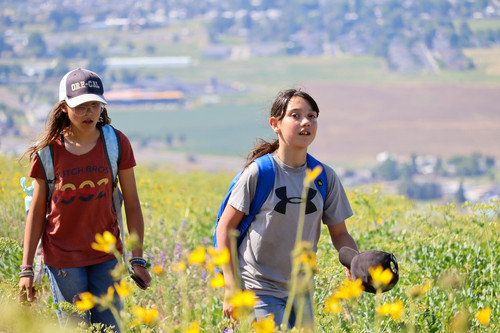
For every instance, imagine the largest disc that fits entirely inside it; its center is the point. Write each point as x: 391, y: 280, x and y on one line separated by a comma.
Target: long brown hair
x: 57, y: 121
x: 278, y: 110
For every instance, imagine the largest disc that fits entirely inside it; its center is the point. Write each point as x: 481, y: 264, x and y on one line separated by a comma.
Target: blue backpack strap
x: 265, y: 183
x: 112, y: 147
x: 46, y: 158
x: 321, y: 182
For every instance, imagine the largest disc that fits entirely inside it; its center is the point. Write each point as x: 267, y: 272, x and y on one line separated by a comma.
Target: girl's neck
x: 81, y: 137
x: 79, y: 143
x: 292, y: 158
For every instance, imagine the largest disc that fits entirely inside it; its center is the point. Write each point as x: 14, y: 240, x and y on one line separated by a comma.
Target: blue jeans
x: 267, y: 305
x: 66, y: 283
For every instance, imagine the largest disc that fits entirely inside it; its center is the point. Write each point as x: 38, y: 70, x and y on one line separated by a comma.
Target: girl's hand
x: 348, y: 273
x: 227, y: 308
x: 142, y: 273
x: 27, y: 292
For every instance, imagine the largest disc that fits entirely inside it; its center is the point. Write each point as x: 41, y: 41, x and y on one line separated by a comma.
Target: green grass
x: 219, y: 129
x: 456, y: 250
x: 484, y: 24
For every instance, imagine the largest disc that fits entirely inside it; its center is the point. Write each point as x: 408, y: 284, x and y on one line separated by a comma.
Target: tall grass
x: 448, y: 258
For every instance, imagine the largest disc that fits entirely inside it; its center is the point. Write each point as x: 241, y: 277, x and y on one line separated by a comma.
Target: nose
x: 305, y: 121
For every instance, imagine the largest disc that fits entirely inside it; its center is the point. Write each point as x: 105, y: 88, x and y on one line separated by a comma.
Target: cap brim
x: 346, y: 254
x: 84, y: 99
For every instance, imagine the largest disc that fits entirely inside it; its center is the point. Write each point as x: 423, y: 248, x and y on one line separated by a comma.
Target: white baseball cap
x: 80, y: 86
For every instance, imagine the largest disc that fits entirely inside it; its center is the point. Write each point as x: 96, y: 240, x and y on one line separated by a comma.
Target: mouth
x: 305, y: 133
x: 88, y: 122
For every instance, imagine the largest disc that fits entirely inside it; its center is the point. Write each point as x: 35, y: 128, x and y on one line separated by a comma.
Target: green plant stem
x: 296, y: 265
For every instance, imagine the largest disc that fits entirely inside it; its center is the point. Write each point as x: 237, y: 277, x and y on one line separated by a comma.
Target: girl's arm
x: 229, y: 220
x: 33, y: 230
x: 135, y: 221
x: 340, y: 237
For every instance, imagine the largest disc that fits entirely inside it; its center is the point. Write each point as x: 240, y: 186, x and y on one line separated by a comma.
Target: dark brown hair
x: 57, y: 121
x: 278, y: 110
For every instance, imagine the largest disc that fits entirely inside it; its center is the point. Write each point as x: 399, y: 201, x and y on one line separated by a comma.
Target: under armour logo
x: 284, y: 200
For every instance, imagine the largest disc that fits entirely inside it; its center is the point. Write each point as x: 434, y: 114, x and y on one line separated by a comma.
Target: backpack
x: 112, y: 148
x: 265, y: 183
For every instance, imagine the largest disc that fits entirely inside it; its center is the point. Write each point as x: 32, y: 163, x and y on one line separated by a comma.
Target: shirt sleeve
x: 337, y: 207
x: 244, y: 189
x: 127, y: 158
x: 36, y: 169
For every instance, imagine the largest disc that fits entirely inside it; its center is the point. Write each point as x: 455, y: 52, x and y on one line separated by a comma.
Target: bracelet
x: 26, y: 273
x: 137, y: 260
x: 23, y: 267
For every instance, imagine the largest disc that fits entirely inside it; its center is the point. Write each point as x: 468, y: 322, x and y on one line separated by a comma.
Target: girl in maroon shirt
x: 81, y: 204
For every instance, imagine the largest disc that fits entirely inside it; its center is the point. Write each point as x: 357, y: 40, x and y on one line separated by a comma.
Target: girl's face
x: 297, y: 129
x: 85, y: 116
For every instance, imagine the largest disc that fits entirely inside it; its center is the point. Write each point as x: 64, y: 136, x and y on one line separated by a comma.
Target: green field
x: 448, y: 258
x: 231, y: 126
x: 220, y: 130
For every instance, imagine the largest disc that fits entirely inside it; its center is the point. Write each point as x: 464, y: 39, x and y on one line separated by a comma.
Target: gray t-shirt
x: 265, y: 252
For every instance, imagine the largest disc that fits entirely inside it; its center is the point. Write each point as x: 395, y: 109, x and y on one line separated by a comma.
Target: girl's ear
x: 274, y: 125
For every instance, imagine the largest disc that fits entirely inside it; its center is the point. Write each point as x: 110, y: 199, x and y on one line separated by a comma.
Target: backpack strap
x: 112, y: 147
x: 46, y: 157
x: 265, y: 183
x: 321, y: 181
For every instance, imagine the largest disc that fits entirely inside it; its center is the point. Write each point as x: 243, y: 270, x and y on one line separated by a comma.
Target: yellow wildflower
x: 145, y: 315
x: 332, y: 305
x: 417, y: 290
x: 244, y: 298
x: 380, y: 276
x: 107, y: 300
x: 349, y: 289
x: 197, y: 256
x: 308, y: 259
x: 212, y: 251
x: 311, y: 175
x: 157, y: 269
x: 483, y: 316
x: 105, y: 242
x: 210, y: 267
x: 193, y: 328
x: 222, y: 257
x: 123, y: 289
x: 179, y: 267
x: 217, y: 281
x: 86, y: 301
x: 395, y: 310
x: 265, y: 325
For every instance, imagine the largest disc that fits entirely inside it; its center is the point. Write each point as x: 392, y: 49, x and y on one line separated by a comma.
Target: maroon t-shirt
x: 81, y: 204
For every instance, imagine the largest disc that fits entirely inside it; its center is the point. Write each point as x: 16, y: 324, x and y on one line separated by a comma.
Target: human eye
x: 313, y: 115
x: 80, y: 108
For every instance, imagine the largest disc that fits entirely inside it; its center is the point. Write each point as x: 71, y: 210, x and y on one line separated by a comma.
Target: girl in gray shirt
x: 265, y: 253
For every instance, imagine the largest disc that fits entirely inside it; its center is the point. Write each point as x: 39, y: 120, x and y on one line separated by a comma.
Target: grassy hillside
x: 448, y: 258
x: 365, y: 108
